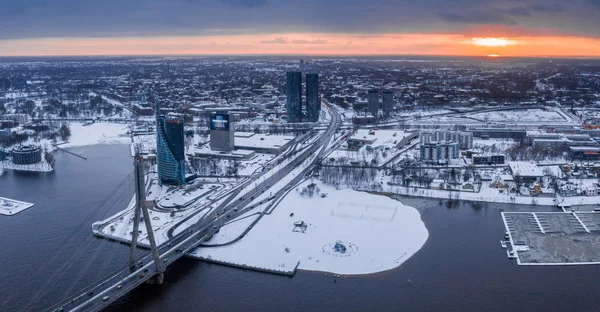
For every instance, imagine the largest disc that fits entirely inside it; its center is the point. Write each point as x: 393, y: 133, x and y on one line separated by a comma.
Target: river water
x: 48, y: 252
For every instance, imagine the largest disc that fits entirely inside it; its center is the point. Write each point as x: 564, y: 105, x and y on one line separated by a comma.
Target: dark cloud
x: 547, y: 7
x: 478, y: 17
x: 529, y: 10
x: 594, y: 2
x: 502, y: 16
x: 246, y: 3
x: 518, y: 11
x: 102, y: 18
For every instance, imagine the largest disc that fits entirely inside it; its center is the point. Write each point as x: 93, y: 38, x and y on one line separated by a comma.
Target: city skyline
x: 431, y: 27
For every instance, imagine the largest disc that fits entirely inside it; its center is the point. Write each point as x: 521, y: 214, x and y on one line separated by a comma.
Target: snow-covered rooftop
x: 525, y: 169
x: 262, y: 142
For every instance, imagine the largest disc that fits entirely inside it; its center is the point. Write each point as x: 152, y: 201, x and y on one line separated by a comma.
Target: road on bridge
x: 122, y: 281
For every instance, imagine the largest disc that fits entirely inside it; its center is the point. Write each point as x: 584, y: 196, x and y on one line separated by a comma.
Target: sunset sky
x: 318, y: 27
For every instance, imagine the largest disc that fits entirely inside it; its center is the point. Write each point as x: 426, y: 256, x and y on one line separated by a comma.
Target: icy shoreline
x: 489, y: 195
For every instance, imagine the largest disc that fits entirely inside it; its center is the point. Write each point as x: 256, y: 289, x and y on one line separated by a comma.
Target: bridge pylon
x: 141, y: 208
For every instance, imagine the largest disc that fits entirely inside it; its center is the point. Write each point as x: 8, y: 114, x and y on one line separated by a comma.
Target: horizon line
x: 499, y: 57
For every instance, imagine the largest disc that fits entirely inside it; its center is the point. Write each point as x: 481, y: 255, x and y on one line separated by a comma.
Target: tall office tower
x: 293, y: 92
x: 302, y: 66
x: 170, y: 153
x: 373, y: 100
x: 221, y: 132
x: 313, y: 103
x: 388, y: 102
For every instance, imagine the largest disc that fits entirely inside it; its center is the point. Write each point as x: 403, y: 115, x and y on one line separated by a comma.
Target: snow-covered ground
x: 493, y: 145
x: 120, y: 225
x: 11, y: 207
x: 379, y: 234
x: 97, y: 133
x: 527, y: 118
x: 535, y: 115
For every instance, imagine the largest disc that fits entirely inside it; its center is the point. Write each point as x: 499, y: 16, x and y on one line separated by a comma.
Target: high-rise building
x: 293, y: 92
x: 388, y: 102
x: 373, y: 100
x: 221, y: 132
x: 313, y: 103
x: 170, y: 153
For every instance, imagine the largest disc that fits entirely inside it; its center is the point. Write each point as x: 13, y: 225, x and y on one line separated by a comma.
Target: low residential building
x: 591, y: 191
x: 488, y: 159
x: 567, y: 189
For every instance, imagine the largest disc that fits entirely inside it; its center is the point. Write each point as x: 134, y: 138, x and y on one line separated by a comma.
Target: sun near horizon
x: 310, y: 44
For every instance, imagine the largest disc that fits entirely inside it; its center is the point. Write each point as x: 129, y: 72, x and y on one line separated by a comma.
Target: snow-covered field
x: 379, y: 234
x: 493, y: 145
x: 535, y: 115
x: 97, y: 133
x: 11, y: 207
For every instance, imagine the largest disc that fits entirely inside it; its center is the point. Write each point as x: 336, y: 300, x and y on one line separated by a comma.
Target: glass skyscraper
x: 293, y: 92
x: 373, y: 100
x: 313, y: 105
x: 170, y: 153
x: 388, y: 102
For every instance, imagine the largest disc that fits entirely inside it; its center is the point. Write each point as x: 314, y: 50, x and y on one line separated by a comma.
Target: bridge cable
x: 85, y: 267
x: 104, y: 207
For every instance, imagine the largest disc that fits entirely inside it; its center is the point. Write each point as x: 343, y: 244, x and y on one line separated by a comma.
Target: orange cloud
x: 310, y: 44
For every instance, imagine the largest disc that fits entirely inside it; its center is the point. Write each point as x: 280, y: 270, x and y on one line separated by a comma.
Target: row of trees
x: 52, y: 134
x: 214, y: 166
x: 524, y: 152
x: 354, y: 177
x: 96, y: 106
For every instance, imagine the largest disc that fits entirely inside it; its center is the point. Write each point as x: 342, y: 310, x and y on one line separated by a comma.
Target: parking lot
x: 555, y: 238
